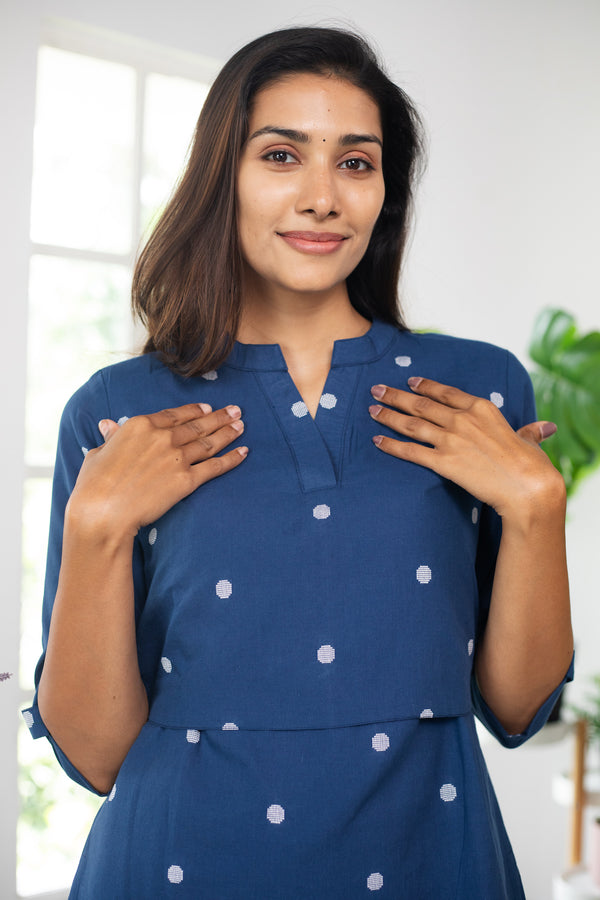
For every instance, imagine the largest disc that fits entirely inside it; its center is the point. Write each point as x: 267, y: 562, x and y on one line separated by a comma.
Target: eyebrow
x: 301, y: 137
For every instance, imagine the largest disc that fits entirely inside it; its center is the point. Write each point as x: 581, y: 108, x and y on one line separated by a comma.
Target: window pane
x: 79, y: 321
x: 56, y: 815
x: 83, y: 152
x: 36, y: 513
x: 171, y: 111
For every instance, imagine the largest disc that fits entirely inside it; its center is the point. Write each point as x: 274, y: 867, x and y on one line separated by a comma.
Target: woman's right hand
x: 150, y: 463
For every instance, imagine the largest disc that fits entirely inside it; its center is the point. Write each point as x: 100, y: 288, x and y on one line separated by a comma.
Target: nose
x: 317, y: 193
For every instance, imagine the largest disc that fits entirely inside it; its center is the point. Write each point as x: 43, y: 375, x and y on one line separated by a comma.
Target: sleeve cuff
x: 487, y: 717
x: 36, y: 726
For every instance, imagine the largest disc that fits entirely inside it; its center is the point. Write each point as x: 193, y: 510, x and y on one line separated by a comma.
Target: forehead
x: 308, y: 100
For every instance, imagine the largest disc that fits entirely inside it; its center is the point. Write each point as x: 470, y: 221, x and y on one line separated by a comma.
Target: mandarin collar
x: 346, y: 352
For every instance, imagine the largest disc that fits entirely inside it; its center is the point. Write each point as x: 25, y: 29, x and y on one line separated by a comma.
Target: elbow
x: 95, y: 749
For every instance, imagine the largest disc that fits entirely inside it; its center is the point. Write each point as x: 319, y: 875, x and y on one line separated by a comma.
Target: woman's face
x: 310, y: 185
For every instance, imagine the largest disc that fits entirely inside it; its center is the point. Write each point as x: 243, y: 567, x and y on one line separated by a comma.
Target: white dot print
x: 300, y: 409
x: 192, y: 736
x: 375, y: 881
x: 122, y: 420
x: 152, y: 535
x: 426, y: 714
x: 276, y: 814
x: 326, y: 653
x: 470, y: 646
x: 380, y: 741
x: 28, y: 717
x: 85, y: 451
x: 210, y: 376
x: 321, y: 511
x: 403, y: 361
x: 113, y: 791
x: 448, y: 793
x: 224, y: 589
x: 175, y: 874
x: 474, y: 515
x: 497, y: 399
x: 230, y: 726
x: 166, y: 664
x: 328, y: 401
x: 423, y: 574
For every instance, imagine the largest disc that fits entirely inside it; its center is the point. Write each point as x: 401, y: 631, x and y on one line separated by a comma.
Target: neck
x: 300, y: 325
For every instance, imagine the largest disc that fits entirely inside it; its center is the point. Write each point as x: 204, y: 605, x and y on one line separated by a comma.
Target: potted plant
x: 566, y: 382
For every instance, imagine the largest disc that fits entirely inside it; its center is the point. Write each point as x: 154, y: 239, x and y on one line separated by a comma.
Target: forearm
x: 91, y: 694
x: 528, y: 641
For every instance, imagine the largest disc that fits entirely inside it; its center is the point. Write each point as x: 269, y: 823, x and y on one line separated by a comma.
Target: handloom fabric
x: 306, y: 626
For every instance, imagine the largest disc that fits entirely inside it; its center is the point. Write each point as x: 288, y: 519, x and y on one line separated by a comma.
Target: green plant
x: 567, y: 390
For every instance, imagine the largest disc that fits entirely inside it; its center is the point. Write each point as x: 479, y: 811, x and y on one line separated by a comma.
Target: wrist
x: 543, y: 507
x: 99, y: 524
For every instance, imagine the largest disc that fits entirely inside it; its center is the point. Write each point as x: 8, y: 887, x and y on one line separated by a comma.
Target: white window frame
x: 146, y: 58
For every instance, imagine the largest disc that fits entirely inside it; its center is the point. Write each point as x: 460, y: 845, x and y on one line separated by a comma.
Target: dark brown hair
x: 187, y: 282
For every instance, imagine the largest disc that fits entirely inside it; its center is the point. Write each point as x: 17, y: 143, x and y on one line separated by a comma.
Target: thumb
x: 107, y: 428
x: 536, y: 432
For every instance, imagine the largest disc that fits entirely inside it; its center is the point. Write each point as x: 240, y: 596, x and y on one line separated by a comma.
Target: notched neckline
x: 346, y: 351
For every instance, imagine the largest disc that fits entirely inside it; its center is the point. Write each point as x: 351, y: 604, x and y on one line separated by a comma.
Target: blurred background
x: 98, y: 103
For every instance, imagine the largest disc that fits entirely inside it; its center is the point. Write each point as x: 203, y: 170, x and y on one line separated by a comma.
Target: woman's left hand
x: 467, y: 440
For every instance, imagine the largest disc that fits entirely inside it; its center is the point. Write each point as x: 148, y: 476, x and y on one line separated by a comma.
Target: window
x: 114, y: 118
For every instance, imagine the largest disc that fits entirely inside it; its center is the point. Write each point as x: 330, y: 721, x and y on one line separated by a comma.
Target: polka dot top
x: 306, y: 626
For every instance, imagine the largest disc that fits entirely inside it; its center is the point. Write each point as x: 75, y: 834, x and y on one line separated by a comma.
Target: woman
x: 268, y: 654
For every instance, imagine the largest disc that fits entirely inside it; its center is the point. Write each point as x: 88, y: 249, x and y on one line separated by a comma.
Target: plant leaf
x: 567, y: 392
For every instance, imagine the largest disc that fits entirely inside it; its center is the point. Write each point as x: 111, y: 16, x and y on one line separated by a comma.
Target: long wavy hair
x: 187, y: 281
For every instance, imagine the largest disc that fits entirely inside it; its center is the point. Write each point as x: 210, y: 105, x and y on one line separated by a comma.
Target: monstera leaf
x: 567, y: 391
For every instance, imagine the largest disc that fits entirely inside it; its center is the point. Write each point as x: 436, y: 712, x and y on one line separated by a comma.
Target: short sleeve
x: 517, y: 402
x: 78, y: 434
x: 487, y: 717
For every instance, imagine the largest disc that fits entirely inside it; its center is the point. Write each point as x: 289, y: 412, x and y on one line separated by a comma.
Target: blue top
x: 307, y: 625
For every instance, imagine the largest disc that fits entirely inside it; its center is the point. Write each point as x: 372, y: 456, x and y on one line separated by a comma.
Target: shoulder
x: 477, y: 367
x: 448, y: 346
x: 106, y: 390
x: 467, y: 357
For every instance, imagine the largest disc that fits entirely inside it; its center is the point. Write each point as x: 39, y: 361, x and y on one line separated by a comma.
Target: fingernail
x: 377, y: 439
x: 414, y: 381
x: 205, y: 407
x: 237, y: 426
x: 103, y: 427
x: 243, y: 451
x: 547, y: 429
x: 375, y: 410
x: 378, y: 390
x: 233, y: 411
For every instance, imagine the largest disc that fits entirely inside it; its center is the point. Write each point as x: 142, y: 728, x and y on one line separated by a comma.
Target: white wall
x: 508, y: 222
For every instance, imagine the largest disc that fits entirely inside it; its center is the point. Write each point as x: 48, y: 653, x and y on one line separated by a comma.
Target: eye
x: 279, y: 156
x: 356, y: 164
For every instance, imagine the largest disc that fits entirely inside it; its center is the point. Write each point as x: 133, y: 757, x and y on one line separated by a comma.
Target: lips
x: 313, y: 235
x: 319, y: 242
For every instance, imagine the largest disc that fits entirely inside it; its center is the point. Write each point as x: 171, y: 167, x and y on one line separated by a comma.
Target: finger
x: 205, y: 425
x: 414, y: 405
x: 417, y: 453
x: 205, y: 446
x: 218, y: 465
x: 442, y: 393
x: 536, y: 432
x: 410, y: 426
x: 107, y: 427
x: 169, y: 418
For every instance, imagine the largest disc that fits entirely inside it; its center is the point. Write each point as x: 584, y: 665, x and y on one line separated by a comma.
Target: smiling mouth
x: 319, y: 242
